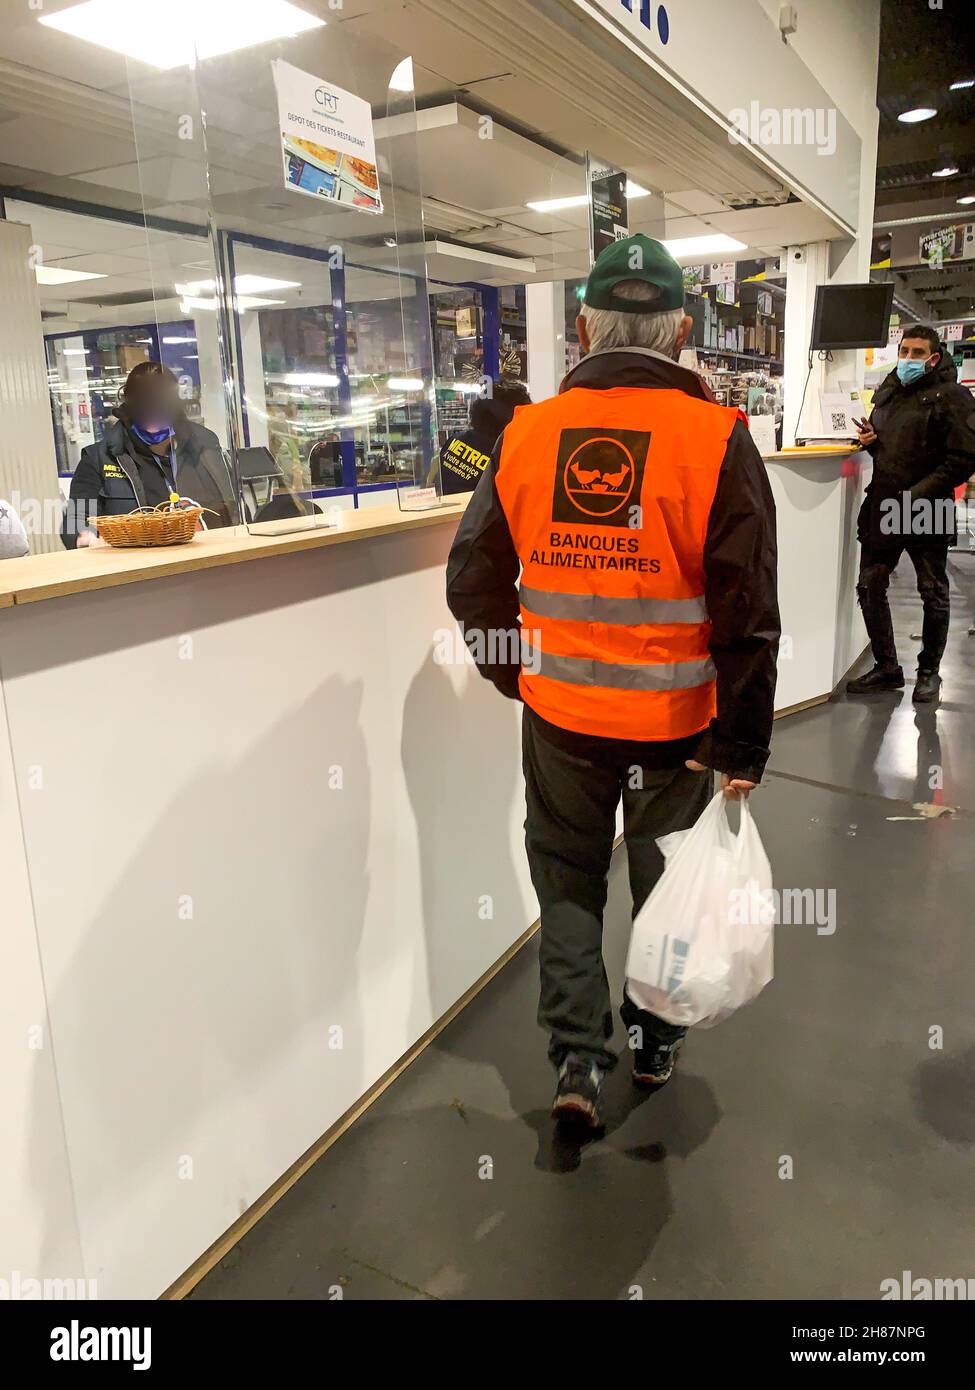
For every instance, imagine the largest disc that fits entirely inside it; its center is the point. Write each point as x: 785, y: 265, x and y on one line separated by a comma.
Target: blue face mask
x: 152, y: 436
x: 908, y: 371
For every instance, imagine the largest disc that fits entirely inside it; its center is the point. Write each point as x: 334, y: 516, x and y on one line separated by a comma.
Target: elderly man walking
x: 638, y: 515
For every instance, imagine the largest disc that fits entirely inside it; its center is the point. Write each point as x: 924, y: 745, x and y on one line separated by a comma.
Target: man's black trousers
x: 930, y: 562
x: 569, y: 833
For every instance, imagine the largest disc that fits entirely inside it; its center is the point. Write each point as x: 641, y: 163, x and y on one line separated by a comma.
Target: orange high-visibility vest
x: 607, y: 496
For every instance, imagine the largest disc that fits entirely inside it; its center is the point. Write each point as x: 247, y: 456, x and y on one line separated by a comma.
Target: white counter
x: 254, y: 842
x: 266, y: 843
x: 817, y: 497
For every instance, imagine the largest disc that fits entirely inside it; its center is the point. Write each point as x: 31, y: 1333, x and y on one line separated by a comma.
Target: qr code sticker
x: 839, y: 420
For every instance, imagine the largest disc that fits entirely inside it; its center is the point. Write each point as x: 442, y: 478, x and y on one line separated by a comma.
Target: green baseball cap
x: 637, y: 257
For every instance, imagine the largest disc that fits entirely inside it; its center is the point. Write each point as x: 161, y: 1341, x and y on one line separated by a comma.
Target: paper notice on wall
x: 882, y: 358
x: 762, y: 429
x: 840, y: 411
x: 327, y: 140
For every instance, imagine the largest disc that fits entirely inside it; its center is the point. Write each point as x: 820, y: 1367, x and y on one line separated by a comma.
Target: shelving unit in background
x: 739, y: 299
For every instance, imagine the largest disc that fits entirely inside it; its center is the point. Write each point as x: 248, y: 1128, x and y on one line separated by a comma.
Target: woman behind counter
x: 150, y: 450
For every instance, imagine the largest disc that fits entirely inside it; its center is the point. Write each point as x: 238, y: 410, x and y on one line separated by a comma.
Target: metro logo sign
x: 653, y: 17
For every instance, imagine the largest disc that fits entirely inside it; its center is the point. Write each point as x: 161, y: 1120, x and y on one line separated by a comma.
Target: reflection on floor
x: 454, y: 1186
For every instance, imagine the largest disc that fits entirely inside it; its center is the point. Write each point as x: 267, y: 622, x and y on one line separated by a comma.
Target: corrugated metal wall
x: 28, y: 464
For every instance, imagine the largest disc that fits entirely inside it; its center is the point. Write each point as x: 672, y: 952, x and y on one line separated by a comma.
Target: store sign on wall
x: 728, y: 57
x: 955, y: 243
x: 653, y: 17
x: 608, y: 214
x: 327, y: 140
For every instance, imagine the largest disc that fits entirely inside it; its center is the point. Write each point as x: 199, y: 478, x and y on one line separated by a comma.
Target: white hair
x: 613, y: 328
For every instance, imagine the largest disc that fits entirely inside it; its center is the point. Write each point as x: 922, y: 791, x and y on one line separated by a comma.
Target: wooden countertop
x: 800, y: 455
x: 65, y: 572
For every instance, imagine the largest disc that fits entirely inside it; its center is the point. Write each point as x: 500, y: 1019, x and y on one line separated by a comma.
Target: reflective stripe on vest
x: 597, y: 608
x: 607, y: 495
x: 576, y: 670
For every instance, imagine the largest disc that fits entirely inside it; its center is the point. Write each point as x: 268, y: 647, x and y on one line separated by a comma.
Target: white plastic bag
x: 702, y: 942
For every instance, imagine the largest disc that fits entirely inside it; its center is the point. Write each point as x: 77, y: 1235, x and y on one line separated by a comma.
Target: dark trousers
x: 930, y: 565
x: 569, y: 833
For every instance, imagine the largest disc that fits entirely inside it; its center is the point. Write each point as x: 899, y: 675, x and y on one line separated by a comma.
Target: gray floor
x: 454, y: 1185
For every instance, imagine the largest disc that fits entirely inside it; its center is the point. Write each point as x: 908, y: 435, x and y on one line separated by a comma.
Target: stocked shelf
x: 760, y: 357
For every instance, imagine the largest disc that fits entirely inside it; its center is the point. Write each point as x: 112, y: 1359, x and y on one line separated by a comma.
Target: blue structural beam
x: 491, y: 329
x: 340, y: 323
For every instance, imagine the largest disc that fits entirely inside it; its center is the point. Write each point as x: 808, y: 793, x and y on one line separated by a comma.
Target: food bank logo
x: 597, y: 473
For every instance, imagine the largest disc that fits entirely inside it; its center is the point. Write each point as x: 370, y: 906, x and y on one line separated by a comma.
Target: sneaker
x: 927, y: 687
x: 653, y: 1066
x: 577, y: 1099
x: 879, y: 678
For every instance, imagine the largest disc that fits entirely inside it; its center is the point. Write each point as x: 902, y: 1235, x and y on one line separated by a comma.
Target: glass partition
x: 292, y: 166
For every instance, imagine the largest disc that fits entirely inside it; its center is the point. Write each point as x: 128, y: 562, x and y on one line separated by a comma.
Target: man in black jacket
x: 921, y: 435
x: 465, y: 456
x: 148, y: 452
x: 627, y: 651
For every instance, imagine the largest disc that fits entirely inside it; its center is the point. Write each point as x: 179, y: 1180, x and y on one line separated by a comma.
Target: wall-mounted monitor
x: 852, y: 316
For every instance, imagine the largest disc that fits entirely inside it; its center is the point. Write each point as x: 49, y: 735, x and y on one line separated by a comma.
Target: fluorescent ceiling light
x: 944, y: 173
x: 404, y: 383
x: 920, y: 113
x: 74, y: 352
x: 557, y: 204
x: 961, y: 84
x: 243, y: 284
x: 310, y: 379
x: 55, y: 275
x: 179, y: 340
x: 241, y: 302
x: 703, y: 245
x: 402, y: 78
x: 175, y: 34
x: 580, y: 200
x: 970, y: 198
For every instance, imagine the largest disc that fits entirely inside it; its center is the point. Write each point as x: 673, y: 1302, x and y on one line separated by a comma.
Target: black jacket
x: 464, y: 457
x: 740, y: 581
x: 925, y: 446
x: 121, y: 473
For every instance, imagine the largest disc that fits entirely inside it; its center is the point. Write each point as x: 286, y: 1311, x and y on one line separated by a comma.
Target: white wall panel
x: 204, y: 771
x: 38, y: 1232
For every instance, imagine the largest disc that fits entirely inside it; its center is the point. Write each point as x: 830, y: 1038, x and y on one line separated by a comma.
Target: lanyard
x: 171, y: 480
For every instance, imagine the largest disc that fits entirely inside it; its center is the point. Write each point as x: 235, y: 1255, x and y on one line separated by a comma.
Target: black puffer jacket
x: 925, y: 446
x: 465, y: 456
x: 121, y: 473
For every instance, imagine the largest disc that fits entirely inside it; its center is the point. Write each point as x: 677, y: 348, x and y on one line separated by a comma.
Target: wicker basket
x: 160, y: 525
